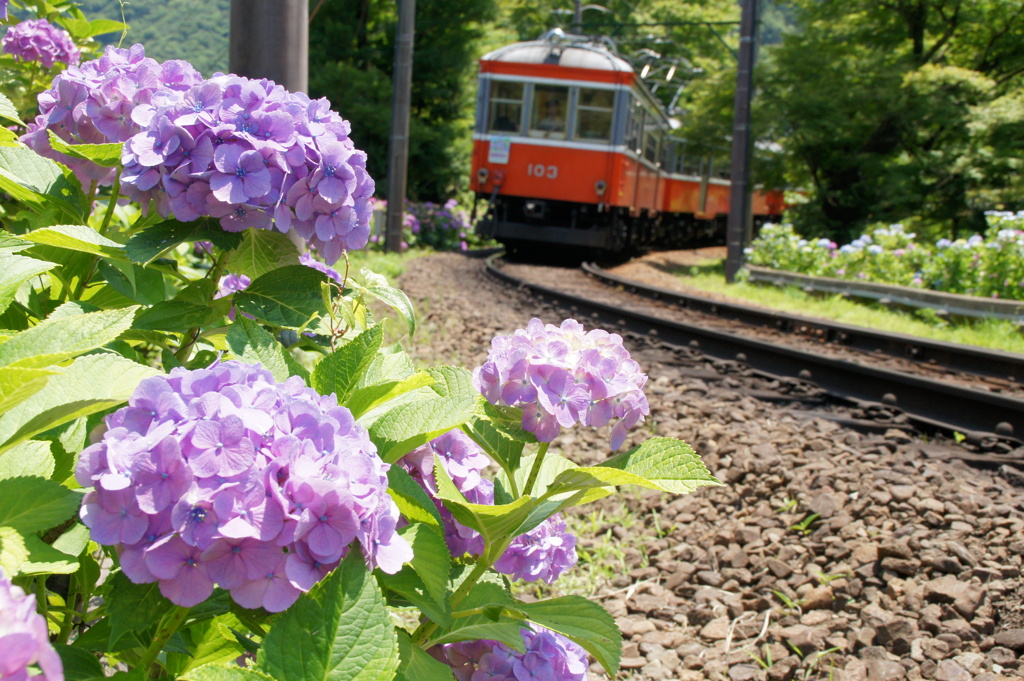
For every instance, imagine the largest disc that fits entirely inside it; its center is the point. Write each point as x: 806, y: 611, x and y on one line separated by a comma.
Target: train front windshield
x: 550, y: 108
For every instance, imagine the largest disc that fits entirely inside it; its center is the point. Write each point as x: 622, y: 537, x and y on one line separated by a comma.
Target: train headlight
x: 600, y: 186
x: 481, y: 176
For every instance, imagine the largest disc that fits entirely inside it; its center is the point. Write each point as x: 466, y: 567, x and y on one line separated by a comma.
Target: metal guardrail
x: 943, y: 303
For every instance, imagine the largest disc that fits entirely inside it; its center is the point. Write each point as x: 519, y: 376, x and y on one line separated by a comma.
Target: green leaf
x: 90, y: 384
x: 494, y: 624
x: 79, y: 664
x: 392, y: 364
x: 30, y: 458
x: 192, y: 308
x: 39, y: 182
x: 8, y: 112
x: 77, y: 238
x: 377, y: 286
x: 15, y: 270
x: 497, y: 523
x: 431, y: 559
x: 262, y: 251
x: 106, y: 155
x: 142, y: 284
x: 148, y: 244
x: 44, y: 559
x: 30, y: 504
x: 418, y: 664
x: 412, y: 500
x: 506, y: 451
x: 101, y: 26
x: 134, y: 607
x: 339, y: 631
x: 670, y: 464
x: 13, y: 552
x: 61, y: 338
x: 17, y: 385
x: 230, y: 672
x: 408, y: 426
x: 210, y: 642
x: 363, y: 400
x: 584, y: 622
x: 287, y: 296
x: 249, y: 342
x: 340, y: 371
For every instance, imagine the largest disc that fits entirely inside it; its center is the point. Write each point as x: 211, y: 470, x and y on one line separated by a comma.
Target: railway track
x: 930, y: 402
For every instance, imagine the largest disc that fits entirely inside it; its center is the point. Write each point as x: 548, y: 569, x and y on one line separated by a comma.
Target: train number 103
x: 541, y: 170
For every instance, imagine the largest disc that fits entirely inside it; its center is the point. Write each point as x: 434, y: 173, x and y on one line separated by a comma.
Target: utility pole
x: 739, y: 197
x: 398, y: 152
x: 270, y: 39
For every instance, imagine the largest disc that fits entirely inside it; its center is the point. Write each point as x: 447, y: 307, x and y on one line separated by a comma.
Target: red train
x: 570, y: 147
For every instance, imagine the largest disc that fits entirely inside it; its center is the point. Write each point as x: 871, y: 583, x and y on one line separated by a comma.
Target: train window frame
x: 635, y: 126
x: 651, y: 133
x: 548, y: 125
x: 591, y: 110
x: 512, y: 102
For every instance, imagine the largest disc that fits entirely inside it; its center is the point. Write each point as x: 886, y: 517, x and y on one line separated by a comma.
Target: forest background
x: 875, y: 110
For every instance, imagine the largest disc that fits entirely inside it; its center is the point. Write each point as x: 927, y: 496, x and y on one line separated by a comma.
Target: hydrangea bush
x: 989, y: 265
x: 213, y: 467
x: 438, y: 227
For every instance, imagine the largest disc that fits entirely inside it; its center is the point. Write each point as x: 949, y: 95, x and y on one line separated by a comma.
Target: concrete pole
x: 270, y: 39
x: 739, y: 195
x: 398, y: 152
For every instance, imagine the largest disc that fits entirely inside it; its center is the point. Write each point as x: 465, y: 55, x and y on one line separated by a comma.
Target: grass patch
x: 989, y: 333
x: 391, y: 265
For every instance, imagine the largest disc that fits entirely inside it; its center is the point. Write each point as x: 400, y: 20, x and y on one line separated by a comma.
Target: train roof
x: 559, y: 49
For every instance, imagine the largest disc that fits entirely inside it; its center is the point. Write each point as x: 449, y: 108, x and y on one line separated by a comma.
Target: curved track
x: 932, y: 403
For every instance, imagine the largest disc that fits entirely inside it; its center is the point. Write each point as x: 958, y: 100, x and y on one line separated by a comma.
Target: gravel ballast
x: 828, y: 553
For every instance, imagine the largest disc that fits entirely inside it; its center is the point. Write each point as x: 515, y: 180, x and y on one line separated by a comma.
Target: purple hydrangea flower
x: 543, y: 553
x: 247, y: 152
x: 223, y: 476
x: 560, y: 375
x: 39, y: 40
x: 463, y: 460
x: 549, y: 656
x: 24, y: 640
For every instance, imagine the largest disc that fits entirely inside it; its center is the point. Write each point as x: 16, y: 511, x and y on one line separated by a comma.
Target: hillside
x: 194, y: 30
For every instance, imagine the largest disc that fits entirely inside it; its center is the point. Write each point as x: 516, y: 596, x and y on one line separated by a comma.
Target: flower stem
x: 169, y: 624
x: 535, y: 470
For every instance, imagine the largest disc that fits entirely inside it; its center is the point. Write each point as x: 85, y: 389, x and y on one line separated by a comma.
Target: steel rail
x: 978, y: 361
x: 976, y: 413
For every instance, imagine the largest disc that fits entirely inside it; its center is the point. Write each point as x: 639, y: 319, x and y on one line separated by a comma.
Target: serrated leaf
x: 418, y: 665
x: 392, y: 364
x: 9, y: 112
x: 30, y: 458
x: 339, y: 631
x: 221, y: 672
x: 17, y: 385
x: 88, y: 385
x: 363, y: 400
x: 133, y: 606
x: 408, y: 426
x: 141, y: 284
x: 585, y: 623
x: 30, y: 504
x: 287, y: 296
x: 15, y: 270
x: 412, y: 500
x: 79, y: 664
x: 105, y: 155
x: 671, y: 464
x: 262, y: 251
x: 431, y: 559
x: 61, y: 338
x: 249, y: 342
x: 77, y: 238
x: 192, y: 308
x: 378, y: 287
x: 13, y: 552
x: 39, y: 182
x: 506, y: 451
x: 44, y: 559
x: 493, y: 599
x: 148, y: 244
x: 340, y: 371
x: 210, y: 642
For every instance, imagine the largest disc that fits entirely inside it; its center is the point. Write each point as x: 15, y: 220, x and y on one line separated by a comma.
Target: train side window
x: 506, y: 111
x: 594, y: 114
x: 635, y: 129
x: 652, y: 139
x: 550, y: 107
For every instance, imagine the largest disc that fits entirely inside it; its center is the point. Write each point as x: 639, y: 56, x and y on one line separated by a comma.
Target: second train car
x: 571, y: 149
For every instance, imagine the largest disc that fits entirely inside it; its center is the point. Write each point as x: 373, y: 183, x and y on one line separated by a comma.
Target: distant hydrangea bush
x: 40, y: 41
x: 247, y: 152
x: 24, y: 639
x: 225, y: 476
x: 561, y: 375
x: 549, y: 656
